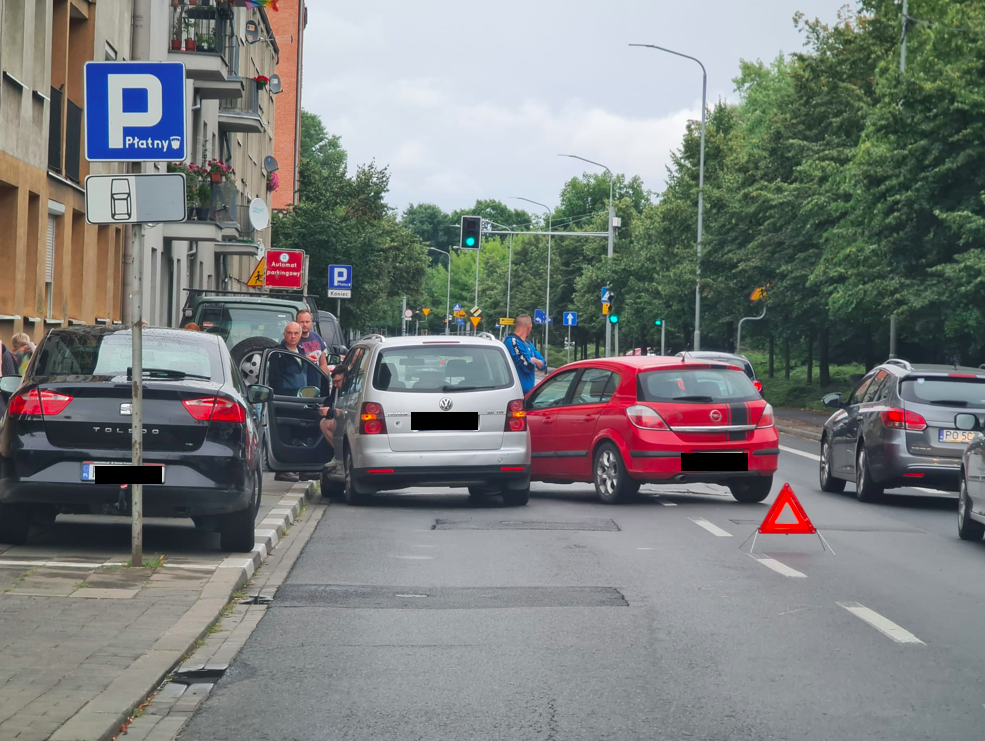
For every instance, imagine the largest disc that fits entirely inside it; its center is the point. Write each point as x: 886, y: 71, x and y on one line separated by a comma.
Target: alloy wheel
x: 607, y: 472
x: 962, y: 502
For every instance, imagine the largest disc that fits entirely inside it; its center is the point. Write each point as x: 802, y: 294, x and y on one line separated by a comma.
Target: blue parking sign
x: 135, y: 112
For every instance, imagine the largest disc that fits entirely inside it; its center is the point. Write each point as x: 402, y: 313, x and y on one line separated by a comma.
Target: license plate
x: 957, y: 437
x: 89, y: 468
x: 695, y: 462
x: 444, y: 421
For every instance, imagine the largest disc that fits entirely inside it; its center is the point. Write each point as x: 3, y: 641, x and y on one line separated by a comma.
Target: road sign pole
x: 617, y: 339
x: 137, y: 373
x: 663, y: 338
x: 568, y: 348
x: 403, y: 319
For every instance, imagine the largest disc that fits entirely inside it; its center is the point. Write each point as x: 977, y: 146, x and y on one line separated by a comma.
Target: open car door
x: 294, y: 439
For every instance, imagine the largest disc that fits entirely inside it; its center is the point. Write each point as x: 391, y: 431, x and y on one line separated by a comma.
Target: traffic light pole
x: 663, y: 338
x: 617, y: 339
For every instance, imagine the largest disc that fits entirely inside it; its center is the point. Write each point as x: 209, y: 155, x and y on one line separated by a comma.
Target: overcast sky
x: 467, y: 100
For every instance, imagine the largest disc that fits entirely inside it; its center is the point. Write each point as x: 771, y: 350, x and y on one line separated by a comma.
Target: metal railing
x: 246, y: 230
x: 225, y: 201
x: 249, y: 103
x: 73, y: 141
x: 55, y: 132
x: 204, y: 29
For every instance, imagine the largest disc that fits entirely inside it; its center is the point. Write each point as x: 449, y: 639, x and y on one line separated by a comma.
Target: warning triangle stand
x: 787, y: 517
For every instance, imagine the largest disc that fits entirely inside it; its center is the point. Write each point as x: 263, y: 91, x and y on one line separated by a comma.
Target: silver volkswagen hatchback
x: 430, y: 411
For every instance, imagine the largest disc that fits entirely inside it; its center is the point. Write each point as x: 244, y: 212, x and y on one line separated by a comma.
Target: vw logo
x: 716, y: 416
x: 445, y: 404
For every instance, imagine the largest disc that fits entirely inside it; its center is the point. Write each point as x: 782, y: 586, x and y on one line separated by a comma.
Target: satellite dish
x: 274, y: 84
x: 259, y: 215
x: 270, y: 163
x: 252, y: 32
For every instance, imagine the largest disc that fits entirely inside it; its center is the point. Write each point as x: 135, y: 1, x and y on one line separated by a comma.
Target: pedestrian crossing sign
x: 256, y: 280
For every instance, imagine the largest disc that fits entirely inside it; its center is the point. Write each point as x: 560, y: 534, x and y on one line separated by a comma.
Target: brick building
x: 289, y: 24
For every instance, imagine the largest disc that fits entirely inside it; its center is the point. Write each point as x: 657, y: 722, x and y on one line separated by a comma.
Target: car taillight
x: 758, y: 385
x: 767, y: 419
x: 516, y: 416
x: 371, y: 420
x: 645, y: 418
x: 35, y: 402
x: 215, y: 408
x: 900, y: 419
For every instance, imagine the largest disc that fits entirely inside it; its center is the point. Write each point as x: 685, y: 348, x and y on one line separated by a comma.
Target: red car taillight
x: 215, y: 408
x: 35, y: 402
x: 758, y: 386
x: 767, y: 420
x: 645, y: 418
x: 371, y: 420
x: 900, y: 419
x: 516, y: 416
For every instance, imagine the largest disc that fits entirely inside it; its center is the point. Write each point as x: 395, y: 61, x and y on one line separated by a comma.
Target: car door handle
x: 589, y: 417
x: 312, y: 406
x: 549, y: 421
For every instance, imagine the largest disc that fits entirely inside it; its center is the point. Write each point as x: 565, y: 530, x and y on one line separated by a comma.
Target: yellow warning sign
x: 425, y: 311
x: 475, y: 320
x: 460, y: 314
x: 605, y: 309
x: 256, y: 280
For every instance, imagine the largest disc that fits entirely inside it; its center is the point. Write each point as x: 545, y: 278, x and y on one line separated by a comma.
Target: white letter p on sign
x: 118, y: 119
x: 340, y: 275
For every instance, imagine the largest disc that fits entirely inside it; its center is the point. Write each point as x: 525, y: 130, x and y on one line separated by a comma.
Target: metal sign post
x: 137, y: 420
x: 663, y: 338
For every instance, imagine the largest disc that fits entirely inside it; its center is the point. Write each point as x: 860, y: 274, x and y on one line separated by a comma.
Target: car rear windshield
x: 442, y: 368
x: 84, y: 356
x: 237, y: 323
x: 944, y: 391
x: 699, y: 386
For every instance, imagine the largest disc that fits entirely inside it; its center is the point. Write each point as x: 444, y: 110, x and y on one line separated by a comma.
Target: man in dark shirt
x: 312, y: 345
x: 288, y: 375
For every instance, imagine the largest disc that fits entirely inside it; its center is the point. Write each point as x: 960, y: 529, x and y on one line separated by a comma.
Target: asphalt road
x: 425, y: 617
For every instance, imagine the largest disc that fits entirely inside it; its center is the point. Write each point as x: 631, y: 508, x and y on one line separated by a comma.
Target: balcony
x: 242, y: 115
x: 206, y: 223
x: 67, y: 141
x: 203, y: 38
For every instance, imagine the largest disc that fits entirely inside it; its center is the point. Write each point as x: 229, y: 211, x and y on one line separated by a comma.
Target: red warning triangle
x: 787, y: 504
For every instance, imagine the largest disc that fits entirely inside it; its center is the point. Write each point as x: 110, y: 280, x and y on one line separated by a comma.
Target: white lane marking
x: 713, y: 529
x: 780, y: 568
x: 883, y: 625
x: 418, y: 545
x: 644, y: 549
x: 415, y: 558
x: 410, y: 595
x: 665, y: 504
x: 800, y: 452
x: 61, y: 564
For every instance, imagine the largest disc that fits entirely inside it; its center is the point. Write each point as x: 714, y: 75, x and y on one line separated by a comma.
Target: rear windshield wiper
x: 463, y: 388
x: 948, y: 403
x: 167, y: 373
x: 693, y: 398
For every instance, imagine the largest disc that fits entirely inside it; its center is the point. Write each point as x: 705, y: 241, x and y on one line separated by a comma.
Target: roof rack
x: 900, y: 362
x: 372, y: 336
x: 487, y: 336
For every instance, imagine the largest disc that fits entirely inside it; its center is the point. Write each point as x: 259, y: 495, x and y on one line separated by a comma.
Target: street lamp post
x: 701, y: 184
x: 612, y: 234
x: 448, y: 295
x: 547, y: 318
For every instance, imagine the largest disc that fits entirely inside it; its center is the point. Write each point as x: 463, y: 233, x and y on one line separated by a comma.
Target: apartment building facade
x: 231, y: 129
x: 289, y: 25
x: 56, y: 268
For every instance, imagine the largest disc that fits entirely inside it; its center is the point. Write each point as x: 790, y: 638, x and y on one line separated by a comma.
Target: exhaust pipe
x: 681, y: 478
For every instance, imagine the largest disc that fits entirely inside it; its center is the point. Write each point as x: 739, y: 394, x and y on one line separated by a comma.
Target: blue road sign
x: 539, y: 316
x: 135, y: 112
x: 571, y: 319
x: 461, y: 322
x: 456, y: 307
x: 606, y: 295
x: 340, y: 277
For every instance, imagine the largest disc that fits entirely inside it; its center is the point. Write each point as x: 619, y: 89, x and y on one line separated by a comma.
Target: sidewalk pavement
x: 84, y: 638
x: 800, y: 422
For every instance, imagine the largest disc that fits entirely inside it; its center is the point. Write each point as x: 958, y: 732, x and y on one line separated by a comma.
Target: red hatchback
x: 621, y: 422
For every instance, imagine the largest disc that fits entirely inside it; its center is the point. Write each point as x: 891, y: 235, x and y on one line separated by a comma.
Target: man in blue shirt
x: 526, y: 359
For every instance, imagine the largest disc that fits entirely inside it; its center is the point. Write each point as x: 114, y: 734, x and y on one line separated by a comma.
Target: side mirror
x: 834, y: 401
x: 967, y: 422
x: 309, y: 392
x: 259, y: 394
x: 9, y: 385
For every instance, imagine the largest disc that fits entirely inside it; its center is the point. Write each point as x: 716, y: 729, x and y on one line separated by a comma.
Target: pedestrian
x: 525, y: 357
x: 313, y: 347
x: 23, y: 350
x: 192, y: 327
x: 327, y: 412
x: 8, y: 363
x: 288, y: 375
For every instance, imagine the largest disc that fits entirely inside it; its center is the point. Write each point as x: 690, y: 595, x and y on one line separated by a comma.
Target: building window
x: 49, y: 267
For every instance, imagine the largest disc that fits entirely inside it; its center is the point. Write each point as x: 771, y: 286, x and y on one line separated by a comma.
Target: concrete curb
x: 807, y: 433
x: 102, y: 717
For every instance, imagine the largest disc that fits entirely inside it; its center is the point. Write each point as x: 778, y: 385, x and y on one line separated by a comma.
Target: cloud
x: 412, y: 155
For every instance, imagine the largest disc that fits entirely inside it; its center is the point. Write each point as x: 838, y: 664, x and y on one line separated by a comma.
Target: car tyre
x: 613, y: 483
x: 353, y: 496
x: 751, y: 491
x: 331, y: 489
x: 15, y: 523
x: 866, y: 489
x: 236, y: 530
x: 968, y: 529
x: 828, y: 481
x: 516, y: 497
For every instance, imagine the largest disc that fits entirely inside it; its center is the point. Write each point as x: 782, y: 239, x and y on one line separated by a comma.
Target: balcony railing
x: 55, y: 132
x: 205, y: 29
x: 249, y: 104
x: 246, y: 230
x: 73, y: 141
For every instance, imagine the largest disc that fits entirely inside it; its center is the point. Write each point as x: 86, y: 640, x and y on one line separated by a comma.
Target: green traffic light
x: 470, y: 241
x: 613, y: 318
x: 658, y: 322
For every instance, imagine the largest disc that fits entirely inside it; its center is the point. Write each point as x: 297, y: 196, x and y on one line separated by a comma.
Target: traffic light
x: 471, y: 228
x: 613, y: 319
x: 658, y: 322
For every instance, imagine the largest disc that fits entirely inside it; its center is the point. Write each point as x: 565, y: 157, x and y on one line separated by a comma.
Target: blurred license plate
x: 959, y: 437
x: 89, y: 468
x: 714, y: 462
x: 444, y: 421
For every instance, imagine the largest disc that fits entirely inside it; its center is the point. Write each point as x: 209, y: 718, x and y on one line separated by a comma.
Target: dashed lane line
x: 883, y: 625
x: 780, y: 568
x: 713, y: 529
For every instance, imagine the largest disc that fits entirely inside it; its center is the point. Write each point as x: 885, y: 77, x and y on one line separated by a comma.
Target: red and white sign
x: 787, y: 506
x: 285, y: 269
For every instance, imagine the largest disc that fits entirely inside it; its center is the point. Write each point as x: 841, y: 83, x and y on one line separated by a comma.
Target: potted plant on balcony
x: 273, y: 182
x: 189, y: 24
x: 204, y: 201
x: 191, y: 186
x: 206, y: 42
x: 219, y: 171
x: 261, y: 81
